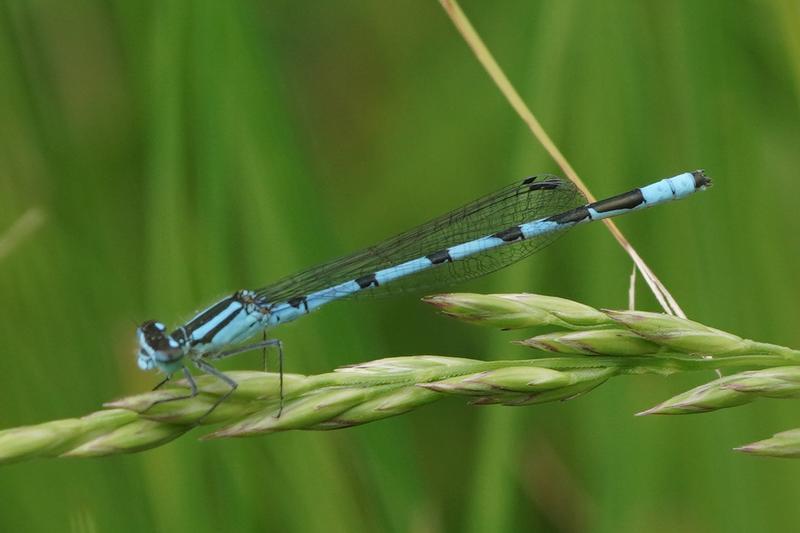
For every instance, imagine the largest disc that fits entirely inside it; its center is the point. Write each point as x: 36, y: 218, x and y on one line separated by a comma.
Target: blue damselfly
x: 478, y: 238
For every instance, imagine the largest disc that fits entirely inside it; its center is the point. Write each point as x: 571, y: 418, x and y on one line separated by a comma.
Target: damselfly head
x: 156, y: 346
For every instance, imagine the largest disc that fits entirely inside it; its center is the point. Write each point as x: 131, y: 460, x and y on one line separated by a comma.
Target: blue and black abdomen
x: 479, y: 238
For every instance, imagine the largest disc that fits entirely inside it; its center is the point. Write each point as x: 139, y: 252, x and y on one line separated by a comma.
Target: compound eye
x: 153, y: 335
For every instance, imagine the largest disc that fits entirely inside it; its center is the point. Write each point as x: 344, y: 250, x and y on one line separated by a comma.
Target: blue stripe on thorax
x: 243, y: 326
x: 204, y: 329
x: 221, y: 325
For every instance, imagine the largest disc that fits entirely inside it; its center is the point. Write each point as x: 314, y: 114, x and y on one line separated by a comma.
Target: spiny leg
x: 191, y: 381
x: 192, y: 389
x: 161, y: 383
x: 263, y: 344
x: 209, y: 369
x: 264, y: 351
x: 279, y: 344
x: 241, y: 349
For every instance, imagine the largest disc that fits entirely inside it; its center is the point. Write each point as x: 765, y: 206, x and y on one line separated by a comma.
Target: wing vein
x: 533, y: 198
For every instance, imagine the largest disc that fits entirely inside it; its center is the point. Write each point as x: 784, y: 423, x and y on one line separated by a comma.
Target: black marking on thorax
x: 626, y: 200
x: 180, y: 336
x: 367, y: 281
x: 442, y: 256
x: 209, y: 314
x: 208, y: 337
x: 511, y: 234
x: 572, y: 216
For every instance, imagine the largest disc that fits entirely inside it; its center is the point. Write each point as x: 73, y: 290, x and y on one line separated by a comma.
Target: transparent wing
x: 533, y: 198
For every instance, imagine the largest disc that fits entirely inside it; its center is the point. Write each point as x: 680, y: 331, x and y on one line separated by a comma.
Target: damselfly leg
x: 264, y: 352
x: 192, y: 389
x: 208, y: 369
x: 161, y: 383
x: 204, y: 366
x: 264, y: 344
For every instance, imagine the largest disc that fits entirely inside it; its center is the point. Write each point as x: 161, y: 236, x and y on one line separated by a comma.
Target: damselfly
x: 481, y: 237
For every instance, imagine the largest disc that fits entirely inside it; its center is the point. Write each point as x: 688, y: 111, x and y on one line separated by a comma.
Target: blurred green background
x: 182, y: 150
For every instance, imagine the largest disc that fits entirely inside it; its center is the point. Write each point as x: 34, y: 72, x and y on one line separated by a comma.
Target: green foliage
x: 182, y: 150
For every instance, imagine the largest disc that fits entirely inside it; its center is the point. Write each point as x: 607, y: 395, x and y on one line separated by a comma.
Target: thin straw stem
x: 474, y: 41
